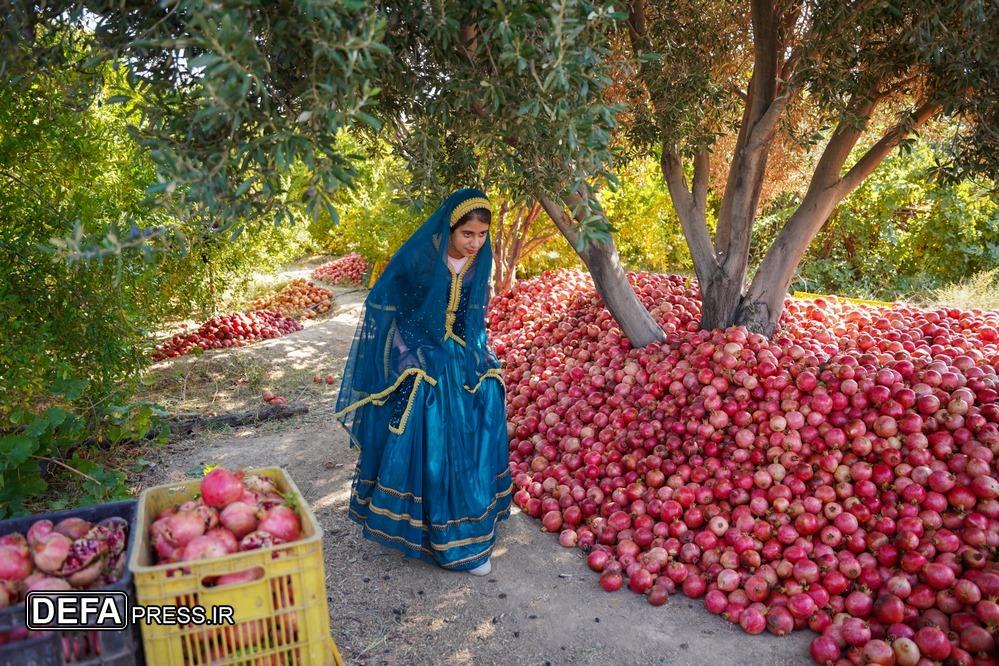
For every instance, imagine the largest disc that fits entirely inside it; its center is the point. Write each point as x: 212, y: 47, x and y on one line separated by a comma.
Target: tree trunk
x: 602, y: 261
x: 763, y: 303
x: 720, y: 298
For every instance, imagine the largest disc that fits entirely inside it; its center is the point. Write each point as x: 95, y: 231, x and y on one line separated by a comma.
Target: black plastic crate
x: 90, y: 648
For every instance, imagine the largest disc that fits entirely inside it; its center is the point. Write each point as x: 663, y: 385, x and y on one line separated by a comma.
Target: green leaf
x: 15, y: 449
x: 245, y: 186
x: 203, y: 60
x: 369, y: 120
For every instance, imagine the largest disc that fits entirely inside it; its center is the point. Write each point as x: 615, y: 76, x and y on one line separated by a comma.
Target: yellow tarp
x: 861, y: 301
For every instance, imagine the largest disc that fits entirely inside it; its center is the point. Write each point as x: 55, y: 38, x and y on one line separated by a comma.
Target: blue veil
x: 420, y: 301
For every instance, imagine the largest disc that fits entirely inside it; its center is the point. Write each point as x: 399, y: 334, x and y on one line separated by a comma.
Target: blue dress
x: 432, y: 479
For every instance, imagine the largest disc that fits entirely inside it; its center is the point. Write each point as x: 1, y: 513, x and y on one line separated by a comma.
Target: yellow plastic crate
x: 280, y: 618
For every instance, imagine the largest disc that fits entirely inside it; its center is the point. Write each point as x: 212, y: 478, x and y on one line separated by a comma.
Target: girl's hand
x: 408, y: 360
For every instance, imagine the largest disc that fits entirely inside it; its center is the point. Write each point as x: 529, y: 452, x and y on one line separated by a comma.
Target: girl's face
x: 469, y: 238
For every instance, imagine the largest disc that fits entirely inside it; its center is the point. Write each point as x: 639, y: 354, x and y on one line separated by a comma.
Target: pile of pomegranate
x: 234, y: 512
x: 73, y: 554
x: 230, y: 330
x: 299, y: 298
x: 347, y: 270
x: 839, y: 476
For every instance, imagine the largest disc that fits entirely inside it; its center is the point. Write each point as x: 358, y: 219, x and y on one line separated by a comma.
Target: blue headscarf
x: 420, y: 299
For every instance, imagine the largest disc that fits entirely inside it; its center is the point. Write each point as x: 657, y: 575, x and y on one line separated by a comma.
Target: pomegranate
x: 204, y: 547
x: 281, y: 522
x: 258, y: 539
x: 50, y: 551
x: 906, y: 652
x: 933, y: 643
x: 221, y: 487
x: 15, y: 564
x: 843, y: 471
x: 183, y: 527
x: 239, y: 518
x: 74, y: 528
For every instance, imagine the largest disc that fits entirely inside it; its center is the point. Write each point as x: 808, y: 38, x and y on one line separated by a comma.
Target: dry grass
x: 220, y: 382
x: 980, y: 291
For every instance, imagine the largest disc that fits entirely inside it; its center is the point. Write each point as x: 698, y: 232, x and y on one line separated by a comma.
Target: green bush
x: 648, y: 234
x: 73, y: 337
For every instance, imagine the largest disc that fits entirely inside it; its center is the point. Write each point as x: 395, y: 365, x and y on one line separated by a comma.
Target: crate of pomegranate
x: 77, y: 549
x: 241, y: 539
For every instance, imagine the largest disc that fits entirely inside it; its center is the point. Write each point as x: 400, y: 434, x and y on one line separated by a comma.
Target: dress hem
x: 407, y: 550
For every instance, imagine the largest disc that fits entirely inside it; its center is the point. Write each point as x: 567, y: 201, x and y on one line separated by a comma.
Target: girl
x: 423, y: 396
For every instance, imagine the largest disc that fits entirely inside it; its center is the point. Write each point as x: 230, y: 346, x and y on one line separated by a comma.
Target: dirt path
x: 541, y: 604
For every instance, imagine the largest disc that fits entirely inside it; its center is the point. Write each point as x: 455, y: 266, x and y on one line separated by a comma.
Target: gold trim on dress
x: 388, y: 349
x: 391, y: 491
x: 386, y: 535
x: 438, y: 547
x: 472, y: 558
x: 379, y: 306
x: 415, y: 522
x: 401, y: 428
x: 495, y: 373
x: 403, y: 495
x: 391, y: 537
x: 452, y: 306
x: 401, y: 517
x: 468, y: 205
x: 381, y: 397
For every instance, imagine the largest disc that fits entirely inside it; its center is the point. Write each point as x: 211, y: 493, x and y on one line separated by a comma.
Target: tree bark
x: 604, y: 264
x: 763, y: 303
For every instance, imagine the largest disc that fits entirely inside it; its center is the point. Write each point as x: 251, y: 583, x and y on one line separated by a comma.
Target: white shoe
x: 482, y: 570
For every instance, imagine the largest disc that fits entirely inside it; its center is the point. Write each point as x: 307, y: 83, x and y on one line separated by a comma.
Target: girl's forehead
x: 474, y: 226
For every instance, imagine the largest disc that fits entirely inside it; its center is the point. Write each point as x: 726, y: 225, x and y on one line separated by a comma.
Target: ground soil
x: 540, y: 605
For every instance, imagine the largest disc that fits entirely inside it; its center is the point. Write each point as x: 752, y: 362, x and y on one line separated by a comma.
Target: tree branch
x: 637, y: 25
x: 877, y: 153
x: 763, y: 84
x: 694, y: 225
x: 844, y: 138
x: 537, y: 242
x: 561, y: 219
x: 702, y: 168
x: 763, y: 132
x: 749, y: 161
x: 500, y: 227
x: 468, y: 44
